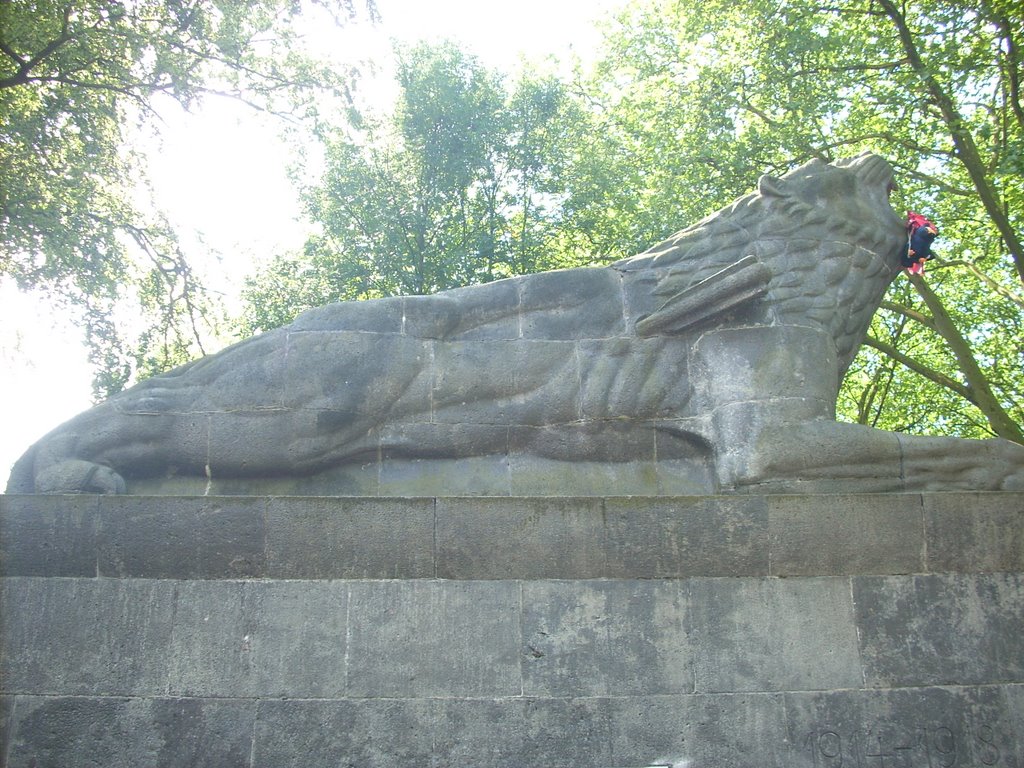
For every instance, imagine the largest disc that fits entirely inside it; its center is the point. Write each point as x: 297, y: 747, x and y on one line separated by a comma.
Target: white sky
x: 221, y: 176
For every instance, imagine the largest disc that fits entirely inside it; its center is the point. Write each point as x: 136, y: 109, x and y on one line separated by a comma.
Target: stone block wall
x: 875, y: 630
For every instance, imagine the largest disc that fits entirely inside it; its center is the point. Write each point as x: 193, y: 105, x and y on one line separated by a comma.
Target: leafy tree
x: 696, y: 99
x: 75, y: 77
x: 459, y: 185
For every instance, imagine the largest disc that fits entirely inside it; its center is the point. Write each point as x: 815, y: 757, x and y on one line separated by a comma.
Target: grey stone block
x: 685, y: 477
x: 732, y: 365
x: 645, y: 377
x: 497, y: 733
x: 691, y: 536
x: 517, y: 538
x: 7, y: 705
x: 418, y: 638
x: 178, y: 485
x: 533, y: 476
x: 773, y: 635
x: 267, y: 436
x: 56, y: 732
x: 360, y: 478
x: 474, y: 475
x: 182, y: 537
x: 817, y: 457
x: 443, y: 441
x: 941, y: 629
x: 685, y: 438
x: 255, y: 379
x: 1013, y: 713
x: 333, y: 733
x: 901, y: 728
x: 61, y: 731
x: 522, y: 382
x: 48, y: 535
x: 724, y: 731
x: 602, y: 638
x: 320, y: 375
x: 195, y: 733
x: 846, y: 534
x: 481, y: 732
x: 86, y: 636
x: 975, y: 532
x: 905, y: 727
x: 385, y: 317
x: 563, y: 294
x: 258, y: 639
x: 330, y: 538
x: 586, y: 442
x: 568, y: 732
x: 479, y: 312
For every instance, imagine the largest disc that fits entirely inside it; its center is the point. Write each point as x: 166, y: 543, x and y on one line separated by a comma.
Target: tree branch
x: 963, y: 140
x: 892, y: 139
x: 994, y: 285
x: 887, y: 66
x: 939, y: 378
x: 1012, y: 67
x: 919, y: 317
x: 27, y: 65
x: 981, y: 391
x: 938, y: 183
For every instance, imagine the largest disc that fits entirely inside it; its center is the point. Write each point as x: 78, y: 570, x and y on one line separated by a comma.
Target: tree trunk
x: 981, y: 393
x: 966, y: 149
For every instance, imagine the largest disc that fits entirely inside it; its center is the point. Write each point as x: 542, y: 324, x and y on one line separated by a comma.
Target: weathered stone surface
x: 941, y: 629
x: 606, y: 638
x: 259, y: 639
x: 330, y: 733
x: 520, y: 539
x: 423, y: 639
x: 180, y: 537
x: 773, y: 635
x: 707, y: 364
x: 922, y: 727
x: 626, y: 633
x: 949, y: 726
x: 689, y: 536
x: 62, y: 731
x: 745, y: 729
x: 350, y: 538
x: 86, y: 636
x: 982, y: 532
x: 509, y: 538
x: 129, y: 733
x: 837, y: 534
x: 56, y: 538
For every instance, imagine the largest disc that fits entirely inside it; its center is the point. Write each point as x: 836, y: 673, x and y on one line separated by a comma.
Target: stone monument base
x: 868, y: 631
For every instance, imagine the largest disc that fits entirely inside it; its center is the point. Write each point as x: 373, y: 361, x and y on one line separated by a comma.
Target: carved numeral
x: 826, y: 748
x: 985, y: 745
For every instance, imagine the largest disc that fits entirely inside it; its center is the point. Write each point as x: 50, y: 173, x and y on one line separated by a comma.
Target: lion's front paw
x: 1008, y: 464
x: 77, y: 476
x: 1013, y: 482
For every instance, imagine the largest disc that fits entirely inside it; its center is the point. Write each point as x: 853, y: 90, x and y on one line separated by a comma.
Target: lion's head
x: 825, y: 232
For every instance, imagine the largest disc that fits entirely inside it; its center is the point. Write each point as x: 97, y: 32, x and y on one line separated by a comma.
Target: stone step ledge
x: 564, y: 638
x: 231, y: 537
x: 935, y: 726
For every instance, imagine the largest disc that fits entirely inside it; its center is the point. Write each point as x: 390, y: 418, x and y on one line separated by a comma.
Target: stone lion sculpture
x: 709, y: 363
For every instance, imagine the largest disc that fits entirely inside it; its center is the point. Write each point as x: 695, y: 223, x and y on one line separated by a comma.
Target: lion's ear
x: 769, y: 186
